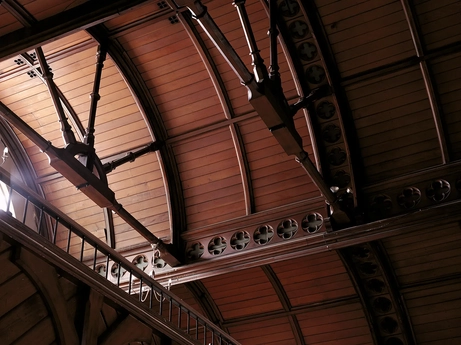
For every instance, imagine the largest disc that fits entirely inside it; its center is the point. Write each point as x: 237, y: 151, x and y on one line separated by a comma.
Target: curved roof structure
x: 292, y: 167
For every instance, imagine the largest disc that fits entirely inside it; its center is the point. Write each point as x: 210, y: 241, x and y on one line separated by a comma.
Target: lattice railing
x: 55, y: 227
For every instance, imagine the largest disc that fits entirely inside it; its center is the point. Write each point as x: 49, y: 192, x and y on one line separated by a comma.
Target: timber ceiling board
x: 361, y: 37
x: 8, y: 22
x: 24, y: 318
x: 439, y: 22
x: 391, y: 148
x: 447, y: 72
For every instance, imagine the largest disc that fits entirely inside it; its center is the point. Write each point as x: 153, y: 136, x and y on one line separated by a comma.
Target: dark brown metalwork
x: 66, y: 130
x: 267, y: 99
x: 130, y: 157
x: 74, y: 119
x: 94, y: 98
x: 95, y: 188
x: 26, y: 237
x: 259, y: 69
x: 149, y: 109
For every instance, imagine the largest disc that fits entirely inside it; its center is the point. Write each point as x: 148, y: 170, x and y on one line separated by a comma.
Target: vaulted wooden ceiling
x: 259, y: 250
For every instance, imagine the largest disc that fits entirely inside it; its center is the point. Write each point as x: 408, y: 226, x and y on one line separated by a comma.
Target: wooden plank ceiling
x: 220, y: 185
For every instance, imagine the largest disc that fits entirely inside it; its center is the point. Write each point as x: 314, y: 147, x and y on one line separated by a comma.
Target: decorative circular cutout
x: 307, y: 51
x: 141, y: 262
x: 360, y: 253
x: 331, y: 133
x: 381, y: 206
x: 101, y: 270
x: 375, y: 286
x: 263, y: 234
x: 312, y: 222
x: 368, y: 268
x: 438, y: 190
x: 114, y: 271
x: 240, y: 240
x: 289, y: 8
x: 217, y: 245
x: 287, y: 229
x: 326, y: 110
x: 195, y: 251
x: 315, y: 74
x: 341, y: 179
x: 337, y: 156
x: 388, y: 325
x: 298, y: 29
x: 409, y: 198
x: 382, y: 305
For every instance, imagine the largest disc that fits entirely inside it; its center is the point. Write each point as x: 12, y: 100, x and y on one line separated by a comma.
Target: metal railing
x: 56, y: 227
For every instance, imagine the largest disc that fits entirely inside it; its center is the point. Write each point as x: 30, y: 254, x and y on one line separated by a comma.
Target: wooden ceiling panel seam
x: 434, y: 99
x: 285, y: 302
x: 227, y: 108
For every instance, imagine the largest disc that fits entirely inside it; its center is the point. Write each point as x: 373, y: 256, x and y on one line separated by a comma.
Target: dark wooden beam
x: 92, y: 318
x: 74, y: 119
x: 436, y: 215
x: 344, y: 119
x: 19, y: 12
x: 62, y: 24
x: 45, y: 279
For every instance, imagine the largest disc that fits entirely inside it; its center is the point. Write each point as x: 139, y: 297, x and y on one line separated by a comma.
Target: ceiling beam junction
x: 285, y: 302
x: 97, y: 189
x: 266, y: 96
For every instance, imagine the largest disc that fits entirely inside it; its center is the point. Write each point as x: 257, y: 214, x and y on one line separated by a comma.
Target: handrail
x: 161, y: 301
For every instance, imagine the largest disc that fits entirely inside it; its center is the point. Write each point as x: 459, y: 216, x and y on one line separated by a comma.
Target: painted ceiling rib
x: 226, y: 105
x: 285, y: 302
x: 447, y: 49
x: 63, y: 24
x: 296, y: 310
x: 430, y: 89
x: 202, y: 296
x: 146, y: 103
